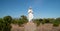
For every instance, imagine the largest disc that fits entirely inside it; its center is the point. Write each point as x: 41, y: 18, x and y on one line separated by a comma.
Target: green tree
x: 15, y: 21
x: 51, y: 20
x: 22, y: 20
x: 40, y: 20
x: 7, y: 22
x: 45, y: 21
x: 37, y: 21
x: 1, y: 24
x: 58, y: 19
x: 56, y: 22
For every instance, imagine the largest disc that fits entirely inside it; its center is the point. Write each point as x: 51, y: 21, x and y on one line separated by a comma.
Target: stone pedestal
x: 30, y: 26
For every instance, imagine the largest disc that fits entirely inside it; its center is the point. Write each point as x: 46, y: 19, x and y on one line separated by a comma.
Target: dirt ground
x: 48, y: 27
x: 16, y: 27
x: 42, y: 27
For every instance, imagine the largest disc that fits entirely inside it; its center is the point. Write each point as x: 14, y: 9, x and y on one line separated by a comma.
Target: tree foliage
x: 1, y: 24
x: 53, y: 21
x: 7, y: 23
x: 15, y: 21
x: 36, y: 21
x: 23, y: 19
x: 56, y: 22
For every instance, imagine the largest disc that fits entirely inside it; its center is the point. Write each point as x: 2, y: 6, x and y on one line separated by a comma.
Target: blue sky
x: 41, y: 8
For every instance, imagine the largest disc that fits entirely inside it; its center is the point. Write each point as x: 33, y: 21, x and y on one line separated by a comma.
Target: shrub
x: 55, y: 23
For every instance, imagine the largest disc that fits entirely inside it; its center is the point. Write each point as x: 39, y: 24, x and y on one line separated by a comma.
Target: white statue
x: 30, y: 14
